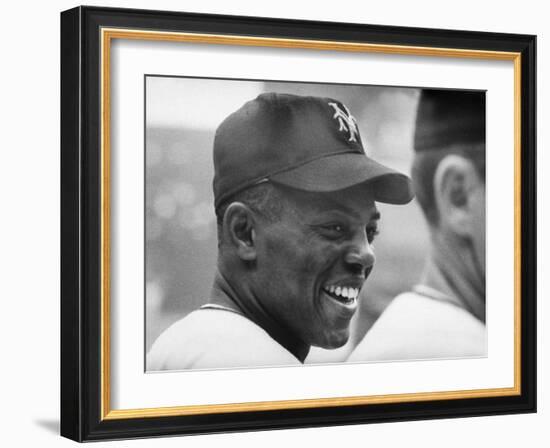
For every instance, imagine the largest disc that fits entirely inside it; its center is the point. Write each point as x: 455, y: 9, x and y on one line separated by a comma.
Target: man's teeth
x: 343, y: 291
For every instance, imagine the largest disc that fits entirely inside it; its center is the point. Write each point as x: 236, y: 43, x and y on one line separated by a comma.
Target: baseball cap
x: 449, y: 117
x: 304, y: 142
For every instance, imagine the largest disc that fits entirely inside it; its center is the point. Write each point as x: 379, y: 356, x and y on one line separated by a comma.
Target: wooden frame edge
x: 107, y: 34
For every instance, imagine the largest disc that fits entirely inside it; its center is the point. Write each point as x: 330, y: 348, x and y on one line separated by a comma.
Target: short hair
x: 424, y: 167
x: 265, y: 199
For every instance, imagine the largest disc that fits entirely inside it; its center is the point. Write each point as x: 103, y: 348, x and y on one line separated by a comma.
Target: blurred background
x: 182, y: 115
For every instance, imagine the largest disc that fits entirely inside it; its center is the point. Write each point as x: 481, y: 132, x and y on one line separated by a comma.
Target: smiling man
x: 295, y: 198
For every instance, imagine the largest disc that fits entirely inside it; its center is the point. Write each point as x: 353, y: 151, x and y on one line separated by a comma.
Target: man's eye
x: 371, y: 233
x: 333, y: 230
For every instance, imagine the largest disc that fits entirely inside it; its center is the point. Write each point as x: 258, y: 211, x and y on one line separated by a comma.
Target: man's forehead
x: 357, y: 203
x: 361, y: 210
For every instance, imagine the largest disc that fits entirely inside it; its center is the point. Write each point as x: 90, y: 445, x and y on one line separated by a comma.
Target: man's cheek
x: 287, y: 247
x: 279, y: 242
x: 319, y: 258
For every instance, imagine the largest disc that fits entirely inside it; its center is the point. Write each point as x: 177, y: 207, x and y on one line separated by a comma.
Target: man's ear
x: 239, y: 232
x: 455, y: 182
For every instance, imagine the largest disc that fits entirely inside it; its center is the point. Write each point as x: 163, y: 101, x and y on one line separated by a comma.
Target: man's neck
x: 453, y: 270
x: 242, y: 300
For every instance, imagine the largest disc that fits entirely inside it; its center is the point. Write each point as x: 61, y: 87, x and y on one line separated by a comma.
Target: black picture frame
x: 82, y: 409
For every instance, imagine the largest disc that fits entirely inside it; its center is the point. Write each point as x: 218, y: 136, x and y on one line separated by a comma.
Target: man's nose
x: 360, y: 254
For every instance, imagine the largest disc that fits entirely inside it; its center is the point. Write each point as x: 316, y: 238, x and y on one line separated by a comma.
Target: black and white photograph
x: 291, y: 223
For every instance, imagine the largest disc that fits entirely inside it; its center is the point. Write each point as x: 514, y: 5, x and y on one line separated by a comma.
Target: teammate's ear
x: 238, y: 228
x: 455, y: 180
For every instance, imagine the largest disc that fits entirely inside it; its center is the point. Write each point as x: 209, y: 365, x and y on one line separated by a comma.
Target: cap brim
x: 344, y: 170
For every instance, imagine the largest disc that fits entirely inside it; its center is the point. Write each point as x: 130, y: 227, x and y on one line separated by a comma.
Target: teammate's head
x: 448, y: 172
x: 295, y: 199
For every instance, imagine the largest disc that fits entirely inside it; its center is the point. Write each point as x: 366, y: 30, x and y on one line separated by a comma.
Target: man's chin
x: 334, y: 341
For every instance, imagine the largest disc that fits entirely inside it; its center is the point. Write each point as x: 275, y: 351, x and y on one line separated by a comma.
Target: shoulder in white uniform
x: 414, y: 326
x: 212, y: 338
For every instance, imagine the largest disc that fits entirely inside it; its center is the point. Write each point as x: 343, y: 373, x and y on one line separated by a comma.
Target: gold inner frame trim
x: 107, y: 35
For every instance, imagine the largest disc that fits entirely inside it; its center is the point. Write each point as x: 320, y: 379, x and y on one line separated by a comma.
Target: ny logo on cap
x: 346, y: 120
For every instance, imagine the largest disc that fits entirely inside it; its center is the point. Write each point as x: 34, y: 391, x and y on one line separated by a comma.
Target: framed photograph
x: 276, y: 224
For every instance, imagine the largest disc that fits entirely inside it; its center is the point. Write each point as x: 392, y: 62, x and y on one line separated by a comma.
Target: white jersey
x: 416, y: 326
x: 215, y: 338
